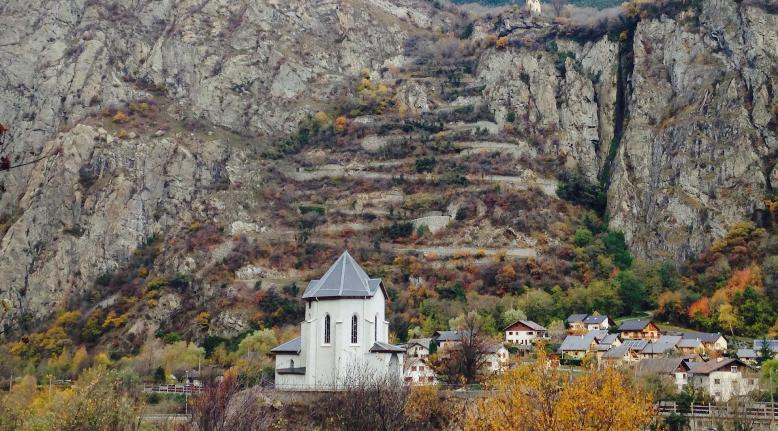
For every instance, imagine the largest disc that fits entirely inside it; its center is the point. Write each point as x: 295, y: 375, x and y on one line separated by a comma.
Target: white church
x: 344, y: 333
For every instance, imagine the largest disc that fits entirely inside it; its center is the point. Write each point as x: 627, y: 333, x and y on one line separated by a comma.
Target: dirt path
x: 547, y: 186
x: 472, y: 251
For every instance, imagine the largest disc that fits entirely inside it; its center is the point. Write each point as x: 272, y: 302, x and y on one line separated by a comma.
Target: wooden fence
x: 760, y: 412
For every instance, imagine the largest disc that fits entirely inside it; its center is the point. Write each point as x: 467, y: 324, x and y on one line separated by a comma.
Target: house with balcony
x: 639, y: 330
x: 524, y: 333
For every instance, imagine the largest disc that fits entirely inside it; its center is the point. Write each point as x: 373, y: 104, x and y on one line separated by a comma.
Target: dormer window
x: 327, y: 329
x: 354, y: 325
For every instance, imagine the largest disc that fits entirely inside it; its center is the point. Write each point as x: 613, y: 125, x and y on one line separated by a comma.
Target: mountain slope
x: 200, y: 152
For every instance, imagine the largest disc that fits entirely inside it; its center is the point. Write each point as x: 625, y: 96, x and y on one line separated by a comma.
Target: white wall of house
x: 598, y: 326
x: 420, y: 374
x: 680, y: 379
x: 417, y: 351
x: 723, y: 385
x: 525, y: 338
x: 497, y: 361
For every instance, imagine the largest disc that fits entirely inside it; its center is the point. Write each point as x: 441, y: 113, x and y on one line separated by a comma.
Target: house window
x: 733, y: 369
x: 354, y: 324
x: 291, y: 363
x: 376, y: 328
x: 327, y: 329
x: 716, y: 381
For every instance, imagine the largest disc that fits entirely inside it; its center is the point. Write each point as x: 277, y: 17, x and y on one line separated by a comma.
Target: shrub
x: 583, y: 237
x: 399, y: 230
x: 425, y: 164
x: 578, y: 189
x: 120, y: 118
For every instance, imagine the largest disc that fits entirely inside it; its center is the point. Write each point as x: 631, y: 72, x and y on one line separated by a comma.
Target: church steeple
x: 344, y: 279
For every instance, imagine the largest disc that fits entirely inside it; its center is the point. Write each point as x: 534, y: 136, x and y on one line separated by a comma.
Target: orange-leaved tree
x: 541, y: 397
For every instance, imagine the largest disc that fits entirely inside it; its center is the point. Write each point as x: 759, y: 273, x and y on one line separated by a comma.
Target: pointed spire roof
x: 344, y: 279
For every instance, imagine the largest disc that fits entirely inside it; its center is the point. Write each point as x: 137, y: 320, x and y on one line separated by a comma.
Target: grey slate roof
x: 577, y: 343
x: 599, y: 334
x: 447, y: 336
x: 528, y: 323
x: 616, y: 352
x: 634, y: 325
x: 291, y: 347
x: 746, y: 353
x: 690, y: 343
x: 423, y: 342
x: 664, y: 344
x: 609, y: 339
x: 715, y: 365
x: 705, y: 337
x: 493, y: 347
x: 576, y: 318
x: 594, y: 320
x: 635, y: 344
x: 344, y: 279
x: 655, y: 366
x: 380, y: 347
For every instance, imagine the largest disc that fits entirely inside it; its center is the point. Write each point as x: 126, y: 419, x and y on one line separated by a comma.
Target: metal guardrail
x: 173, y: 389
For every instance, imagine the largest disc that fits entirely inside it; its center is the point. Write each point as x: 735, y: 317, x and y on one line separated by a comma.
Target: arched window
x: 375, y: 335
x: 354, y: 325
x: 327, y: 329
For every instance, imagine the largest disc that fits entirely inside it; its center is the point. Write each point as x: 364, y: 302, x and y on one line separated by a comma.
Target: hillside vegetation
x: 599, y: 4
x: 499, y: 165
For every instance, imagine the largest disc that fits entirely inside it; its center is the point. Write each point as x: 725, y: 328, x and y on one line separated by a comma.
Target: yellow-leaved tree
x: 540, y: 397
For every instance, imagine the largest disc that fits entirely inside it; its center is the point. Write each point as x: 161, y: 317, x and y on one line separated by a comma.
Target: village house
x: 724, y: 378
x: 749, y: 356
x: 446, y: 339
x: 579, y: 347
x: 619, y: 355
x: 663, y: 347
x: 575, y: 323
x: 676, y: 369
x: 496, y: 358
x: 639, y: 330
x: 606, y: 343
x: 711, y: 342
x: 344, y: 333
x: 597, y: 323
x: 582, y: 323
x: 418, y: 348
x: 690, y: 346
x: 524, y: 332
x: 417, y: 371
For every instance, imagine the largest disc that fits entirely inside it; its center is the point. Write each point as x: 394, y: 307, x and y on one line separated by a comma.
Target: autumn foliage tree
x: 540, y: 396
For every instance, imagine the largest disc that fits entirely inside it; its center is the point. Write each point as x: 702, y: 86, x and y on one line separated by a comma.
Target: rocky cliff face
x: 252, y: 68
x: 701, y: 133
x: 676, y: 117
x: 699, y: 120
